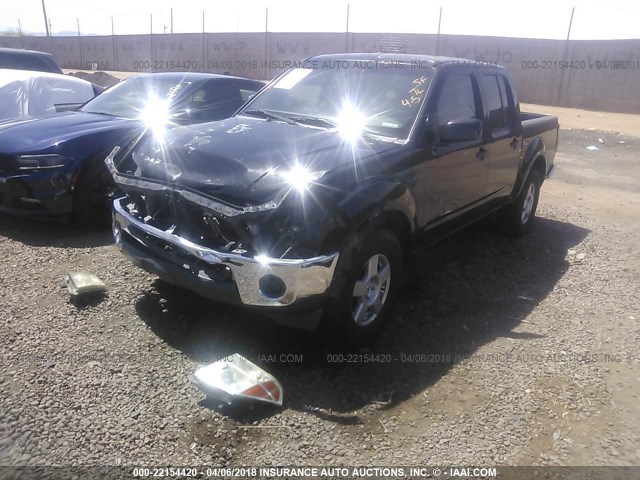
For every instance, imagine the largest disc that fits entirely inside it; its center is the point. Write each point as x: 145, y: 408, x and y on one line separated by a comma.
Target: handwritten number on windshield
x: 416, y: 92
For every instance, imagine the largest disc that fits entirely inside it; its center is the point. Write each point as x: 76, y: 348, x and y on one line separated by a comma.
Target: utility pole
x: 80, y: 42
x: 266, y: 20
x: 171, y: 20
x: 19, y: 28
x: 47, y: 25
x: 113, y: 44
x: 347, y: 27
x: 573, y: 9
x: 438, y: 47
x: 205, y: 66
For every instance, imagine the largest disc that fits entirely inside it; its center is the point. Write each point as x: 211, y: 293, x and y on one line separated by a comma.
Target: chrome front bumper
x: 301, y: 277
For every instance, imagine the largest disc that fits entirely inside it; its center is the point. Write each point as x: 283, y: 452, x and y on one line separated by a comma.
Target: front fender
x: 377, y: 198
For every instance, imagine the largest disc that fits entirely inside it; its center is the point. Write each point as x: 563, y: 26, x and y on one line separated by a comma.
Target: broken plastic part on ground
x: 79, y: 283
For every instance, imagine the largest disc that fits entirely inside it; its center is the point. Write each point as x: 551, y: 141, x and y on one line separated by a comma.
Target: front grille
x: 191, y: 222
x: 180, y: 258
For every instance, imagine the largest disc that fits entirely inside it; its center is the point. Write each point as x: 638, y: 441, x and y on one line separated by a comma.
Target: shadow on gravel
x: 48, y: 232
x: 462, y: 293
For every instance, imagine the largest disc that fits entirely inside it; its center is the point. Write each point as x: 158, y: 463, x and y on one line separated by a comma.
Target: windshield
x: 360, y: 100
x: 131, y: 97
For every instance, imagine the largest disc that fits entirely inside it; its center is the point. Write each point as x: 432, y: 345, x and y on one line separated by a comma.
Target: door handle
x: 514, y: 143
x: 480, y: 154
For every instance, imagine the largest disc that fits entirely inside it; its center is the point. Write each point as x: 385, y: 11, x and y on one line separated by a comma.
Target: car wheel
x: 370, y: 285
x: 94, y: 191
x: 517, y: 218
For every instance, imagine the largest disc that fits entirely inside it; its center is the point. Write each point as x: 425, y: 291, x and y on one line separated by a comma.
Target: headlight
x: 299, y: 177
x: 156, y: 115
x: 39, y: 162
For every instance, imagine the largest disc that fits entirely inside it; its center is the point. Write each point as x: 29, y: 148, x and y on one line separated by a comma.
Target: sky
x: 611, y: 19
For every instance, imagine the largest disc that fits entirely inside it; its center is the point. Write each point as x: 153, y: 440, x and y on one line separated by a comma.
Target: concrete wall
x: 598, y: 74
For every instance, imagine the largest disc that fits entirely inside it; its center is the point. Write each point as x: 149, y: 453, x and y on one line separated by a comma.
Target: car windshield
x: 357, y: 99
x: 134, y: 96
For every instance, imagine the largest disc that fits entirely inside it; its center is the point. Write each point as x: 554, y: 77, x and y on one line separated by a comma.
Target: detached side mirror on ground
x: 461, y: 129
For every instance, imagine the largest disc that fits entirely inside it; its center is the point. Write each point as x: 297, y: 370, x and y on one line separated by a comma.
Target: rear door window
x: 507, y: 102
x: 491, y: 93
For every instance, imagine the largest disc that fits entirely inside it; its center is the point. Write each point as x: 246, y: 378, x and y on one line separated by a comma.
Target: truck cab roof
x: 429, y: 61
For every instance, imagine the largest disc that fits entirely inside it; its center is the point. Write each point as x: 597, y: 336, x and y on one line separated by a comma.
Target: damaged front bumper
x: 257, y: 280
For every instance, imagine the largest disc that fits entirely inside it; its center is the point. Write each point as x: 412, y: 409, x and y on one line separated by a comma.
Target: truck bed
x: 534, y: 124
x: 545, y: 127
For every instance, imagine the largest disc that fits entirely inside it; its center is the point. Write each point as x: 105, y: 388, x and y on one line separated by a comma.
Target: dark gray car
x: 16, y: 59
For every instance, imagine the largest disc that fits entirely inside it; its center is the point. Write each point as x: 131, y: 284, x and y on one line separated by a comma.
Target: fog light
x: 272, y: 286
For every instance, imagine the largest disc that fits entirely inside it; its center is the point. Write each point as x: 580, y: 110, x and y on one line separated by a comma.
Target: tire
x: 92, y: 197
x: 517, y: 218
x: 370, y: 284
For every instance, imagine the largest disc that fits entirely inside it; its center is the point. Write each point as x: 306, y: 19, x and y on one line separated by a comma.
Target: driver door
x: 454, y: 173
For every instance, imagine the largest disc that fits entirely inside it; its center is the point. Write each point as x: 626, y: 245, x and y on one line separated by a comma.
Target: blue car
x: 53, y: 165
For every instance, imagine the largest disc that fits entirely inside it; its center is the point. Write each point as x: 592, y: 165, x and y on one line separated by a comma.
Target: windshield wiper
x: 270, y: 115
x: 100, y: 113
x: 320, y: 121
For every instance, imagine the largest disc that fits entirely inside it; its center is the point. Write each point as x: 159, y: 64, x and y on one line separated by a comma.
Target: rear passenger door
x: 502, y: 134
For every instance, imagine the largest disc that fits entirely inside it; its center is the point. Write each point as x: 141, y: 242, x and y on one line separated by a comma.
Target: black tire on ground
x: 517, y: 218
x: 371, y: 283
x: 92, y: 197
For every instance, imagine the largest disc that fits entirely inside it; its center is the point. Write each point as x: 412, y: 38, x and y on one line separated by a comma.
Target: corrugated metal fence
x: 592, y: 74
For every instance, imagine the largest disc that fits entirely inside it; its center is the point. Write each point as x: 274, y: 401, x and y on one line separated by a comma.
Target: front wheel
x: 517, y: 218
x: 369, y: 289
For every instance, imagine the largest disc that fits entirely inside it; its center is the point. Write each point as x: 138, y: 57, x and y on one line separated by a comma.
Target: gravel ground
x: 502, y: 352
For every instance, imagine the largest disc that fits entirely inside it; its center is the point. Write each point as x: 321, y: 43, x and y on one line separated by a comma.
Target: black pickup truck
x: 307, y: 202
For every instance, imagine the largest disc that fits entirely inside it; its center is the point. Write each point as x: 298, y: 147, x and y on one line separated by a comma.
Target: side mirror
x: 460, y: 129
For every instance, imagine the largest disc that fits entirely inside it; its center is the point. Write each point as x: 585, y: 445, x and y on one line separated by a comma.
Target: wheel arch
x: 534, y: 160
x: 386, y: 205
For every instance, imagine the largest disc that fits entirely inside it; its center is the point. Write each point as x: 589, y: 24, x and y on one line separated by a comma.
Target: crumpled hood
x: 242, y: 157
x: 31, y: 135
